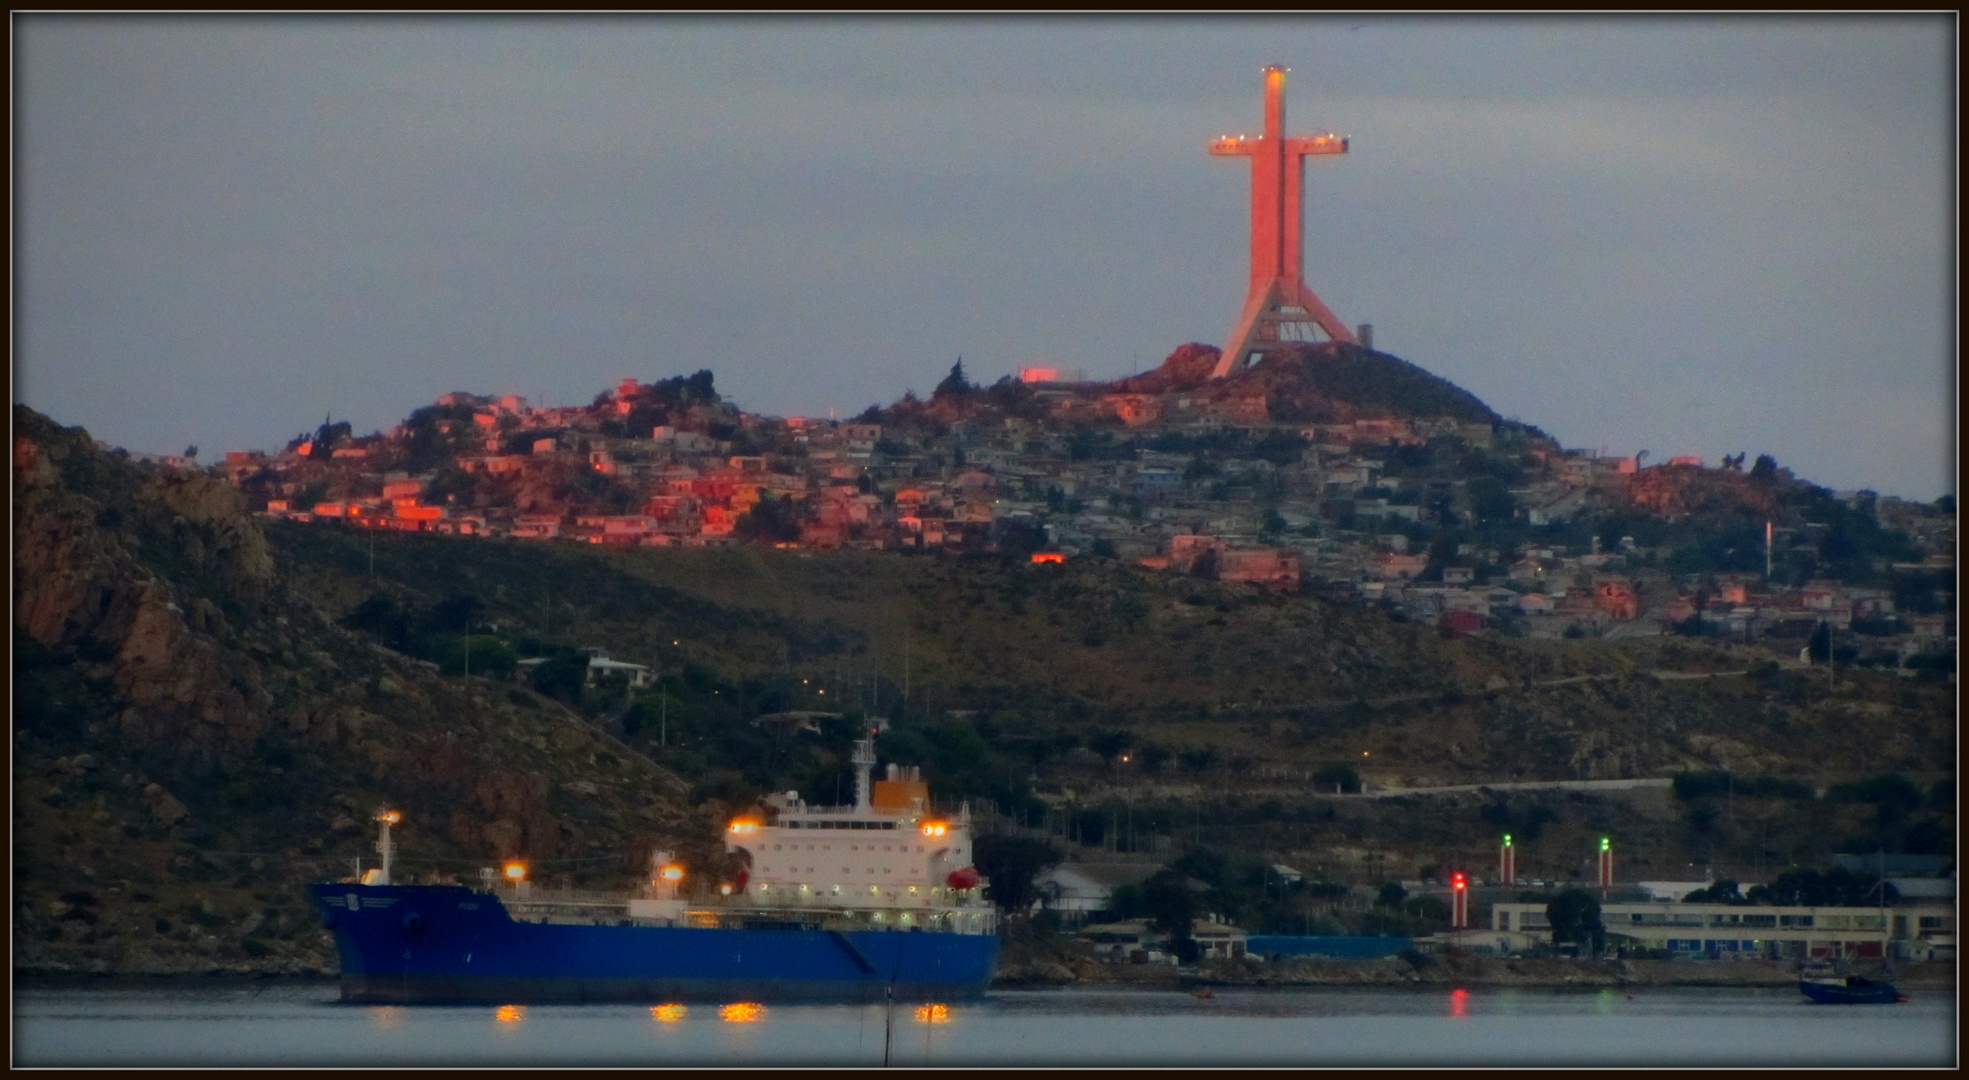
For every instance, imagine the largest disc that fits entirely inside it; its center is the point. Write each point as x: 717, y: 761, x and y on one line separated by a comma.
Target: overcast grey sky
x: 1683, y: 235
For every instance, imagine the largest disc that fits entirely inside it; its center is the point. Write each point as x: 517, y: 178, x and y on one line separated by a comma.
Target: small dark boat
x: 1851, y: 990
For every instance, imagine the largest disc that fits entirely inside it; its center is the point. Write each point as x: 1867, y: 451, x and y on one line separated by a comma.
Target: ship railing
x: 565, y: 899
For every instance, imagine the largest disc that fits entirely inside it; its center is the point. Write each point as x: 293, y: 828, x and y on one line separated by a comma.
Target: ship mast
x: 864, y: 761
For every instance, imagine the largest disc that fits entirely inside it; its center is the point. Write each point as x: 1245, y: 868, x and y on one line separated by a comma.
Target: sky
x: 1679, y: 235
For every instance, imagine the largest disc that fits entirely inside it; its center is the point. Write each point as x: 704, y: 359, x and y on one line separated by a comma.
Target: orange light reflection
x: 510, y: 1014
x: 933, y: 1014
x: 742, y: 1012
x: 666, y: 1014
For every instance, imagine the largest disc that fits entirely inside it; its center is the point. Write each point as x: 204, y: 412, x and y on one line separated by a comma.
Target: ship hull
x: 403, y: 944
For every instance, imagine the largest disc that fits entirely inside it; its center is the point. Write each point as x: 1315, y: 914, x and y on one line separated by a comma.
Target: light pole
x: 383, y: 845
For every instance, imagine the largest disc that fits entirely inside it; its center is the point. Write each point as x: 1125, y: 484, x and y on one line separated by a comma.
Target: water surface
x: 240, y: 1025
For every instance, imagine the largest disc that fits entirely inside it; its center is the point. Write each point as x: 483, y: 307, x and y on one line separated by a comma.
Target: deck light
x: 672, y: 872
x: 389, y: 817
x: 516, y: 871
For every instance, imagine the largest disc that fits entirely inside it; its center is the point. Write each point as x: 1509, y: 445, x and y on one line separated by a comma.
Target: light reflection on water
x: 274, y: 1025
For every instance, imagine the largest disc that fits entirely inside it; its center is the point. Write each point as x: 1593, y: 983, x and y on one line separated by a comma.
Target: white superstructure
x: 886, y: 859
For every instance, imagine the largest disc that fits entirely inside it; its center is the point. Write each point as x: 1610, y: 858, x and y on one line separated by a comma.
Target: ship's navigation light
x: 389, y: 817
x: 515, y: 871
x: 672, y: 872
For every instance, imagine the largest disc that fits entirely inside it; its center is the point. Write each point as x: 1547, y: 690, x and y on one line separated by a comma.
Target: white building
x: 1922, y: 930
x: 1076, y: 890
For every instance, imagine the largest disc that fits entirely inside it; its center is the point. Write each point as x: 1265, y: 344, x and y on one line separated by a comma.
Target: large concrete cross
x: 1279, y: 304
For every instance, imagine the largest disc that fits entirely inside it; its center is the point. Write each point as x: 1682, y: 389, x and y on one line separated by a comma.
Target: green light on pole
x: 1507, y: 839
x: 1605, y: 844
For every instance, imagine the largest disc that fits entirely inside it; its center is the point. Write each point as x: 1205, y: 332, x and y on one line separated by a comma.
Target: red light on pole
x: 1460, y: 900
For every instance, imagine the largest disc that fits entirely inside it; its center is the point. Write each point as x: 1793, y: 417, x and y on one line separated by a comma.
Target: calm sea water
x: 295, y: 1025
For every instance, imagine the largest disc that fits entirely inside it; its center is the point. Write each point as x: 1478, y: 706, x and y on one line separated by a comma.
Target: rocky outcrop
x: 196, y: 741
x: 111, y: 562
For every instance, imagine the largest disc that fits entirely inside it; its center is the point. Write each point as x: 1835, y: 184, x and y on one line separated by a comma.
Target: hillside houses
x: 1170, y: 482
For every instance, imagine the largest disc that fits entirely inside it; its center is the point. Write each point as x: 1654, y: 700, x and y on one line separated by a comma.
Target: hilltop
x: 1327, y: 467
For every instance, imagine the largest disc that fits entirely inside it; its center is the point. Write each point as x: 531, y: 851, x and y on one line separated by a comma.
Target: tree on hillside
x: 1839, y: 887
x: 771, y: 519
x: 562, y: 675
x: 1170, y: 903
x: 1575, y: 918
x: 953, y: 384
x: 1721, y: 892
x: 1009, y: 863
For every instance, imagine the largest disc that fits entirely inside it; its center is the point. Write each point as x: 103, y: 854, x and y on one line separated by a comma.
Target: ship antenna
x: 864, y: 760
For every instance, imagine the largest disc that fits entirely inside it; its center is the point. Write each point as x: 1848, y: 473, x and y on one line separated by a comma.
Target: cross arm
x: 1328, y: 143
x: 1247, y: 145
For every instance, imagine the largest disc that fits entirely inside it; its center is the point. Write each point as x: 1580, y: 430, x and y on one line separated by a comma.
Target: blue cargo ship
x: 864, y: 903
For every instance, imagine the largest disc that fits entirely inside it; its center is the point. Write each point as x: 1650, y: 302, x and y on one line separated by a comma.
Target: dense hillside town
x: 1333, y: 468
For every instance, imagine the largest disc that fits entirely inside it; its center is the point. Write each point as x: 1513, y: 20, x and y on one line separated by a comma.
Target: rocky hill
x: 194, y: 740
x: 209, y: 709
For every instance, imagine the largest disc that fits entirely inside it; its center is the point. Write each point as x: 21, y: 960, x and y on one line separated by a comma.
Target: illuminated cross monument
x: 1280, y: 306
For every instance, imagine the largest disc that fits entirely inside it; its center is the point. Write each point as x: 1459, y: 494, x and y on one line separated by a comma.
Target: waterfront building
x: 1921, y: 930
